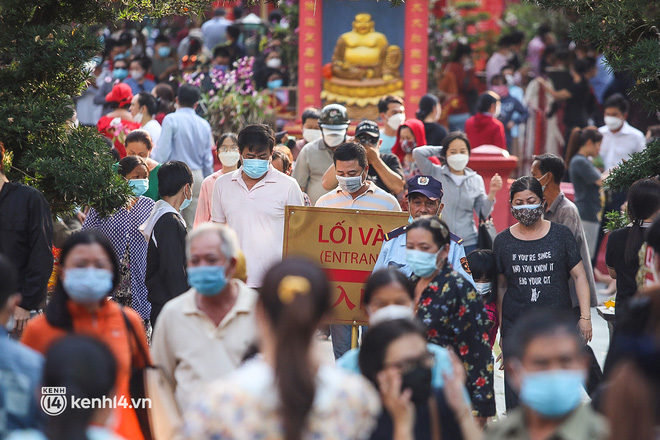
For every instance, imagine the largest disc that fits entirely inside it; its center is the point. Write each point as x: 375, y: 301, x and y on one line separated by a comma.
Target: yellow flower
x: 471, y: 296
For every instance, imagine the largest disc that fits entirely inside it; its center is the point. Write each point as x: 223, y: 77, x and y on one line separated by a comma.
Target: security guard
x: 424, y: 198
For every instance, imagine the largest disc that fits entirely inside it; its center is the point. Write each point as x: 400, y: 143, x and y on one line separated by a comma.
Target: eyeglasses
x: 227, y: 149
x: 404, y: 366
x: 366, y: 140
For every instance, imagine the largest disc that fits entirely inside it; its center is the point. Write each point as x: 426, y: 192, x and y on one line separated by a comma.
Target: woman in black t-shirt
x: 623, y: 244
x: 429, y: 112
x: 535, y: 259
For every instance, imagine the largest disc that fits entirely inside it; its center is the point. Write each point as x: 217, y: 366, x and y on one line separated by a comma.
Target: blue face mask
x: 185, y: 203
x: 410, y: 219
x: 140, y: 186
x: 274, y: 84
x: 120, y: 74
x: 552, y: 393
x: 423, y: 264
x: 164, y: 51
x: 87, y: 285
x: 221, y: 67
x: 255, y: 168
x: 207, y: 280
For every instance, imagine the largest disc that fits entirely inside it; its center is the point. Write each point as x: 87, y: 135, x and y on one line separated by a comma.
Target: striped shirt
x: 374, y: 199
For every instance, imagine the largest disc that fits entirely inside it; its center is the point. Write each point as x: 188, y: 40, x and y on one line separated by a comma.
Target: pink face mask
x: 501, y: 90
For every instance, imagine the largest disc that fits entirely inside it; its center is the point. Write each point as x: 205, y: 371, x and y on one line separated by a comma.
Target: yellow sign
x: 346, y: 243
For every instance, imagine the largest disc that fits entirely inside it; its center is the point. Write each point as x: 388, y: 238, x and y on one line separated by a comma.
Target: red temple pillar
x: 415, y: 53
x: 310, y: 43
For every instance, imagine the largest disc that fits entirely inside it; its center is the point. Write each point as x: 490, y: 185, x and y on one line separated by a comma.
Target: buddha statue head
x: 363, y: 24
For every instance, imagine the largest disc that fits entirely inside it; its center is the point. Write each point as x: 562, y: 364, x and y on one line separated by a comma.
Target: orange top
x: 108, y: 325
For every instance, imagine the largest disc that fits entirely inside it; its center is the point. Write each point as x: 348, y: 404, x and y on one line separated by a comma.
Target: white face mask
x: 510, y: 80
x: 458, y: 162
x: 613, y: 123
x: 395, y: 121
x: 311, y: 134
x: 484, y: 289
x: 137, y: 74
x: 390, y: 313
x: 138, y: 117
x: 350, y: 184
x: 274, y: 63
x: 333, y: 138
x: 229, y: 158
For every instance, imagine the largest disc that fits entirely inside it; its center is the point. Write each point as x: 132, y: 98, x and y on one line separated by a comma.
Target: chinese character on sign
x: 343, y: 297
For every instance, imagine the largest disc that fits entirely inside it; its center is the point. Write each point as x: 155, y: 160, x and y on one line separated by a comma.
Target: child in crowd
x: 484, y: 272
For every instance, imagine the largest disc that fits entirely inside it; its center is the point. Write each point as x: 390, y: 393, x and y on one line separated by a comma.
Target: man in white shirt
x: 252, y: 201
x: 354, y: 192
x: 620, y: 139
x: 204, y: 333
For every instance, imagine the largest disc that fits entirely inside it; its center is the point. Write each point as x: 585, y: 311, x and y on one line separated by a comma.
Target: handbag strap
x: 132, y: 336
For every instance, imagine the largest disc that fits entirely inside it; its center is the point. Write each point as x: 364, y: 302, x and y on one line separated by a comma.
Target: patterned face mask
x: 527, y: 215
x: 407, y: 146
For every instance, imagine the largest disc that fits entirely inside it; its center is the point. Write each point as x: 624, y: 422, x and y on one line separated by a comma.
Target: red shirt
x: 483, y: 129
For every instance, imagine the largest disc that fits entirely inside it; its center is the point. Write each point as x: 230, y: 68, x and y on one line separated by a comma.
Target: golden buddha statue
x: 364, y: 66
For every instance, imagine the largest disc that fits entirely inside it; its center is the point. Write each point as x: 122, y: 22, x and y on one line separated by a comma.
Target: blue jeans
x: 341, y: 339
x: 457, y: 122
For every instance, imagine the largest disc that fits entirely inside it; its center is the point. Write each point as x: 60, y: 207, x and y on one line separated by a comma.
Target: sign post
x: 346, y: 243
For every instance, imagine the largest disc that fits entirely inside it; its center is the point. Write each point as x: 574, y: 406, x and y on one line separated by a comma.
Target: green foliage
x: 640, y: 165
x: 615, y: 220
x: 627, y: 32
x: 77, y: 168
x: 528, y: 17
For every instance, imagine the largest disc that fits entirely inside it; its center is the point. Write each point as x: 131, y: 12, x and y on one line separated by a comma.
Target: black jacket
x: 26, y: 234
x: 166, y: 263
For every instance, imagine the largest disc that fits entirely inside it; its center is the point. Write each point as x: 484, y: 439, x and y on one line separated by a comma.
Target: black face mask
x: 418, y: 380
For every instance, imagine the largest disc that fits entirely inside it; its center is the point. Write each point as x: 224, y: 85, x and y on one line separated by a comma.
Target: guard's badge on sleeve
x: 465, y: 265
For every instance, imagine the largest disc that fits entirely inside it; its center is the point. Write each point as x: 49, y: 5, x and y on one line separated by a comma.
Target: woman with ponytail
x: 623, y: 245
x: 583, y: 145
x: 286, y: 393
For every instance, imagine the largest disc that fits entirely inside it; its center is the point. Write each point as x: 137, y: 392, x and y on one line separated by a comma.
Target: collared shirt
x: 188, y: 138
x: 312, y: 163
x: 582, y: 424
x: 373, y: 198
x: 393, y: 254
x: 565, y: 212
x: 20, y: 374
x: 257, y: 216
x: 618, y: 146
x: 192, y: 350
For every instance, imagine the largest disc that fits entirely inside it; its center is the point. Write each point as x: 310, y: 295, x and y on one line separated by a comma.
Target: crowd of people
x: 189, y: 276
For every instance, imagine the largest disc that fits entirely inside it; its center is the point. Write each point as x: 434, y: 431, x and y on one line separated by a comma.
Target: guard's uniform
x: 393, y: 254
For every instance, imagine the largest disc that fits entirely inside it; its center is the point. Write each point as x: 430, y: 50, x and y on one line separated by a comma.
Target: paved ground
x: 600, y: 345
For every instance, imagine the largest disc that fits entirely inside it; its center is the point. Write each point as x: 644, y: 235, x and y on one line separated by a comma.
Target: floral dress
x: 454, y: 316
x: 245, y: 405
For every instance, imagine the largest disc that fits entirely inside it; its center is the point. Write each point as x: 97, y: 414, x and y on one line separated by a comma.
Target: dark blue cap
x: 426, y: 185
